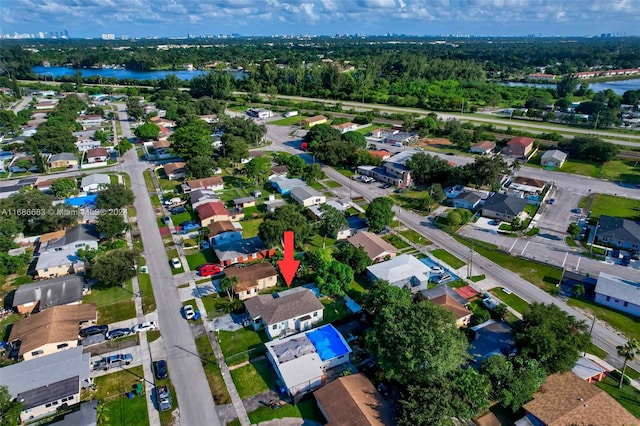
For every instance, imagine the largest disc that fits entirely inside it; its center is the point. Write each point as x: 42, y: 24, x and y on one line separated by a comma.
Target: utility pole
x: 470, y: 263
x: 593, y: 323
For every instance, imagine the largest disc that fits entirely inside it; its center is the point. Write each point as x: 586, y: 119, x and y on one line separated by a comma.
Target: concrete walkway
x: 609, y: 367
x: 290, y: 421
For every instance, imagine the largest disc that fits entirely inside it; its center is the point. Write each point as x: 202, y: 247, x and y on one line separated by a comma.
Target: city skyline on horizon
x: 418, y: 18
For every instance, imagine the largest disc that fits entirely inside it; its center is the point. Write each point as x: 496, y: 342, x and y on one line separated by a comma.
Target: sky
x: 179, y: 18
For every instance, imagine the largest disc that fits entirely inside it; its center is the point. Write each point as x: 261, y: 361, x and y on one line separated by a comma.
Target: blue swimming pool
x: 328, y: 342
x: 431, y: 264
x: 81, y: 201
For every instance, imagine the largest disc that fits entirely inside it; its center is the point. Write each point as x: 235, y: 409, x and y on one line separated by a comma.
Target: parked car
x: 177, y: 210
x: 94, y: 330
x: 204, y: 244
x: 437, y: 270
x: 577, y: 210
x: 167, y: 219
x: 144, y: 326
x: 626, y: 260
x: 208, y: 269
x: 113, y: 361
x: 160, y: 369
x: 551, y: 201
x: 175, y: 262
x: 188, y: 312
x: 118, y: 332
x: 164, y: 398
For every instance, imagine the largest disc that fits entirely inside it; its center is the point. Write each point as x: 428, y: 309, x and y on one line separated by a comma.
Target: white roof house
x: 618, y: 293
x: 402, y: 271
x: 307, y: 196
x: 94, y: 182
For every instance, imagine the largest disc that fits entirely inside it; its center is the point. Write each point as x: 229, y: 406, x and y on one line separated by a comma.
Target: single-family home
x: 527, y: 185
x: 83, y: 236
x: 284, y: 185
x: 504, y: 207
x: 518, y: 146
x: 224, y: 231
x: 209, y: 118
x: 589, y: 370
x: 215, y: 211
x: 214, y: 183
x: 280, y: 170
x: 23, y: 164
x: 64, y: 159
x: 97, y: 155
x: 353, y: 401
x: 393, y: 171
x: 86, y: 143
x: 201, y: 196
x: 381, y: 133
x: 307, y: 196
x: 467, y: 200
x: 161, y: 149
x: 404, y: 271
x: 376, y: 248
x: 302, y: 361
x: 252, y: 278
x: 89, y: 120
x: 447, y: 297
x: 94, y: 182
x: 42, y: 295
x: 553, y: 158
x: 345, y: 127
x: 48, y: 384
x: 244, y: 202
x: 49, y: 104
x: 316, y: 210
x: 284, y: 313
x: 618, y: 232
x: 483, y: 147
x: 58, y: 263
x: 45, y: 185
x: 382, y: 154
x: 163, y: 122
x: 312, y: 121
x: 50, y: 331
x: 175, y: 171
x: 619, y: 293
x: 566, y: 399
x: 242, y: 251
x: 273, y: 203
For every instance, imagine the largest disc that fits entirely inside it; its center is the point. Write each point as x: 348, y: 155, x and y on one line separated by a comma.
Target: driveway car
x: 113, y: 361
x: 578, y: 210
x: 437, y: 270
x: 144, y: 326
x: 118, y: 332
x: 167, y: 219
x: 208, y: 269
x: 164, y: 398
x: 177, y: 210
x: 175, y: 262
x: 188, y: 312
x: 160, y: 369
x: 94, y: 330
x: 551, y: 201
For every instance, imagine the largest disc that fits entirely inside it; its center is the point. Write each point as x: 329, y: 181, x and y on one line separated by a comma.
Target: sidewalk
x: 609, y: 367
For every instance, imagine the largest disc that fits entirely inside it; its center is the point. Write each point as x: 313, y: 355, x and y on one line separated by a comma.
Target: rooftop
x: 305, y: 192
x: 471, y: 197
x: 234, y: 249
x: 522, y: 180
x: 249, y: 275
x: 486, y: 145
x: 97, y: 152
x: 68, y: 156
x: 172, y: 167
x: 520, y: 141
x: 372, y: 244
x: 286, y: 184
x: 212, y: 208
x: 586, y: 368
x: 201, y: 183
x: 314, y: 119
x: 554, y: 154
x: 618, y: 288
x: 505, y: 204
x: 96, y: 178
x: 50, y: 293
x: 285, y: 306
x: 619, y: 229
x: 217, y: 228
x: 402, y: 271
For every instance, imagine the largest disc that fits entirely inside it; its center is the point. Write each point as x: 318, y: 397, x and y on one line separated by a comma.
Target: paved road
x: 187, y: 375
x: 602, y: 336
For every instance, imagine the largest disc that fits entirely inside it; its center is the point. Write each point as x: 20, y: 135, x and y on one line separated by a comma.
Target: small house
x: 42, y: 295
x: 404, y: 271
x: 504, y: 207
x: 214, y: 183
x: 467, y: 200
x: 618, y: 232
x: 242, y: 251
x: 518, y: 146
x: 244, y: 202
x: 618, y: 293
x: 313, y: 121
x: 63, y: 160
x: 345, y: 127
x: 224, y: 231
x: 175, y: 171
x: 95, y: 182
x: 252, y: 278
x: 215, y: 211
x: 376, y: 248
x: 307, y: 196
x: 482, y: 147
x: 97, y: 155
x: 553, y: 158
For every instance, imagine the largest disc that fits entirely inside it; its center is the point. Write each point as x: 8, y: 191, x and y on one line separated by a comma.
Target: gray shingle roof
x: 619, y: 229
x: 304, y: 192
x: 68, y: 156
x: 50, y: 392
x: 618, y: 288
x: 96, y: 178
x: 55, y: 292
x: 443, y: 290
x: 505, y: 204
x: 468, y: 196
x: 554, y: 154
x: 287, y: 305
x: 234, y: 249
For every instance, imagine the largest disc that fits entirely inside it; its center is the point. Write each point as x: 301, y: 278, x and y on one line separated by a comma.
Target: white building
x: 404, y: 271
x: 618, y: 293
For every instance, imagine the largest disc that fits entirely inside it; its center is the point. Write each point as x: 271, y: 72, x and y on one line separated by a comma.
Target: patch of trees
x: 589, y: 148
x: 147, y: 131
x: 34, y: 214
x: 285, y: 218
x: 114, y: 268
x: 56, y: 134
x: 329, y: 146
x: 114, y: 196
x: 355, y: 257
x: 110, y: 224
x: 192, y: 139
x: 379, y: 213
x: 200, y: 166
x: 332, y: 276
x: 64, y: 188
x: 10, y: 408
x: 483, y: 171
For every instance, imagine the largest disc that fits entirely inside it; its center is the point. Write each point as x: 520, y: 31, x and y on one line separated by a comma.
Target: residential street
x: 187, y: 375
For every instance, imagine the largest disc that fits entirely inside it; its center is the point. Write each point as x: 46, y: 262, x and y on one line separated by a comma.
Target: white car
x: 175, y: 262
x: 188, y: 311
x: 144, y: 326
x: 437, y: 270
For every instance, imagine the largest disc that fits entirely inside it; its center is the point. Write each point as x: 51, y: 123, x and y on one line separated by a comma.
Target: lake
x: 47, y: 72
x: 618, y: 86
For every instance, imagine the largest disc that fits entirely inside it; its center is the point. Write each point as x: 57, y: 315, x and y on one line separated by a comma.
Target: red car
x: 208, y: 269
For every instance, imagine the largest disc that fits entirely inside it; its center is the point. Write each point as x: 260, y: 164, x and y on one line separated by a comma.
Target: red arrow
x: 288, y: 266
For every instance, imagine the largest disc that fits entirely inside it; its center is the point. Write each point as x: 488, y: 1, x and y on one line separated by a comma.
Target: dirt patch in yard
x: 435, y: 142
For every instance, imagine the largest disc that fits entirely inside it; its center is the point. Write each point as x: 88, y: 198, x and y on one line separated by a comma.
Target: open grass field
x: 616, y: 170
x: 331, y: 184
x: 212, y: 371
x: 396, y: 241
x: 241, y: 341
x: 289, y: 121
x: 366, y: 130
x: 611, y: 205
x: 199, y: 257
x: 448, y: 258
x: 627, y: 324
x: 114, y: 303
x: 254, y: 378
x: 333, y: 309
x: 411, y: 199
x: 414, y: 237
x: 306, y: 409
x: 121, y: 410
x: 250, y: 228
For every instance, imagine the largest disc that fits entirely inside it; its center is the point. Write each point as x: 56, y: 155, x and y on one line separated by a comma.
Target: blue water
x: 81, y: 201
x: 47, y: 72
x: 618, y: 86
x: 430, y: 263
x: 327, y: 342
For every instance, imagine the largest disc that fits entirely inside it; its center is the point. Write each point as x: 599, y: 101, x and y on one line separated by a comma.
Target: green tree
x: 312, y: 173
x: 234, y: 148
x: 429, y: 352
x: 566, y: 86
x: 574, y: 230
x: 134, y: 108
x: 110, y: 224
x: 383, y: 294
x: 379, y: 213
x: 227, y: 283
x: 333, y: 221
x: 147, y: 131
x: 64, y: 188
x: 421, y: 404
x: 589, y: 149
x: 114, y: 268
x: 101, y: 136
x: 295, y: 164
x: 577, y: 290
x: 34, y: 200
x: 258, y: 169
x: 321, y: 134
x: 200, y: 166
x: 284, y: 218
x: 10, y: 408
x: 355, y: 139
x: 552, y: 337
x: 216, y: 84
x: 192, y: 140
x: 334, y: 278
x: 114, y: 196
x: 355, y: 257
x: 629, y: 351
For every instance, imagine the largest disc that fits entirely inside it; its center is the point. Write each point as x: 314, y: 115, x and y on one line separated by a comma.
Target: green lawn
x: 512, y: 300
x: 597, y: 351
x: 345, y: 172
x: 179, y: 218
x: 146, y: 290
x: 617, y: 170
x: 289, y: 121
x: 396, y: 241
x: 331, y: 183
x: 316, y: 185
x: 358, y: 288
x: 307, y: 409
x: 411, y: 199
x: 155, y: 201
x: 627, y: 324
x: 611, y: 205
x: 212, y: 371
x: 250, y: 228
x: 544, y: 276
x: 414, y: 237
x: 628, y: 396
x: 257, y: 376
x: 121, y: 410
x: 236, y: 345
x: 477, y: 278
x: 148, y: 180
x: 171, y: 254
x: 448, y: 258
x: 582, y: 168
x: 199, y: 257
x: 113, y: 303
x: 366, y: 130
x: 333, y: 309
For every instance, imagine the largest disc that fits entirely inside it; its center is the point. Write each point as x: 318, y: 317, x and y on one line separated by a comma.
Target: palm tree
x: 629, y: 352
x: 227, y: 284
x: 102, y: 412
x: 515, y: 166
